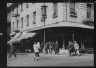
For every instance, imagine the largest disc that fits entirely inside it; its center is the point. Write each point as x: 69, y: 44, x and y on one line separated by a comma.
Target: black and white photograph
x: 44, y: 34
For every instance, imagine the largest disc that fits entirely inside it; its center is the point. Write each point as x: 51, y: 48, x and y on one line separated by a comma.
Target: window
x: 88, y: 10
x: 55, y: 10
x: 43, y: 13
x: 21, y: 6
x: 13, y: 26
x: 27, y: 5
x: 34, y: 17
x: 21, y: 22
x: 72, y: 10
x: 17, y: 10
x: 17, y: 24
x: 27, y: 20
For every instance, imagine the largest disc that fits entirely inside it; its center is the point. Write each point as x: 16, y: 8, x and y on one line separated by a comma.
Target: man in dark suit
x: 12, y: 50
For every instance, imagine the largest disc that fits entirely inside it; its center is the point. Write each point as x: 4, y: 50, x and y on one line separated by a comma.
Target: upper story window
x: 55, y: 10
x: 27, y: 5
x: 21, y: 6
x: 34, y: 17
x: 43, y: 13
x: 72, y: 9
x: 13, y: 26
x: 21, y: 22
x: 17, y: 10
x: 17, y: 24
x: 27, y: 17
x: 90, y: 8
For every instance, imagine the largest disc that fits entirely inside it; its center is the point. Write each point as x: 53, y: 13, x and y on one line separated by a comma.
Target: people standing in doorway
x: 12, y: 50
x: 36, y: 47
x: 76, y: 46
x: 70, y: 48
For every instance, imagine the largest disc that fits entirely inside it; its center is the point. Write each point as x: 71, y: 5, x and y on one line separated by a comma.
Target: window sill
x: 73, y: 15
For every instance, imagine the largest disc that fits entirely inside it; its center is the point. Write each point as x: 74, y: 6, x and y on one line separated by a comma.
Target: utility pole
x: 44, y: 16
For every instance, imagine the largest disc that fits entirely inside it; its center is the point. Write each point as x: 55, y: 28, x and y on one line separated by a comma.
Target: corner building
x: 62, y: 21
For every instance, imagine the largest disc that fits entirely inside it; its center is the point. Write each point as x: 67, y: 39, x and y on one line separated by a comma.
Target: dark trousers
x: 70, y: 52
x: 13, y: 54
x: 37, y: 54
x: 56, y: 51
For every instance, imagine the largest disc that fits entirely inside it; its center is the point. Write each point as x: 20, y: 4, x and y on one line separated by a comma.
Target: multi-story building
x: 63, y: 21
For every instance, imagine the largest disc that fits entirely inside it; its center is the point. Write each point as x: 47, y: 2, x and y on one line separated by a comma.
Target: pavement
x: 50, y: 60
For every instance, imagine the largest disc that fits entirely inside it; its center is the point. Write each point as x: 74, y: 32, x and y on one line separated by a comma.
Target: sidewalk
x: 52, y: 60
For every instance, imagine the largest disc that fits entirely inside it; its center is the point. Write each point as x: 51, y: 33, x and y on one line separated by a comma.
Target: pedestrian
x: 41, y: 47
x: 56, y: 47
x: 70, y: 48
x: 36, y: 48
x: 47, y: 47
x: 50, y: 47
x: 12, y: 50
x: 76, y: 46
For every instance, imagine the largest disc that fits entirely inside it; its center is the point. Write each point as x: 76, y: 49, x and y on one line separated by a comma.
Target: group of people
x: 73, y: 48
x: 49, y: 47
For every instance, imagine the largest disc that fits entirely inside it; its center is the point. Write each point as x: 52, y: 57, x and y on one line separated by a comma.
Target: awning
x: 63, y: 24
x: 70, y: 24
x: 14, y: 38
x: 25, y: 36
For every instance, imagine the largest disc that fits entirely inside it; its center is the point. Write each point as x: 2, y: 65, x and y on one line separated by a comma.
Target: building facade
x: 29, y: 16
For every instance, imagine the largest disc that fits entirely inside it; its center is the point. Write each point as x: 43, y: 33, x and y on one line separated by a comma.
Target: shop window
x: 72, y: 9
x: 34, y: 17
x: 27, y: 17
x: 55, y: 10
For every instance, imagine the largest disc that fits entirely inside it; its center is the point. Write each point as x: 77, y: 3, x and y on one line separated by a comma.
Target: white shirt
x: 36, y: 47
x: 76, y: 46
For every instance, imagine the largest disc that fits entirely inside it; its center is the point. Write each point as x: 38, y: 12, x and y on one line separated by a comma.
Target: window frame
x: 55, y: 10
x: 89, y: 10
x: 27, y: 18
x: 21, y: 7
x: 22, y: 22
x: 73, y: 12
x: 34, y: 17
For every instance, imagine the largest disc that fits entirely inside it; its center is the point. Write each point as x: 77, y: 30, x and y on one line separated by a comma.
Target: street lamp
x: 44, y: 16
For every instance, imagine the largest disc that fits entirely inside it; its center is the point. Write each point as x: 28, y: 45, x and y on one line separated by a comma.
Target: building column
x: 82, y: 46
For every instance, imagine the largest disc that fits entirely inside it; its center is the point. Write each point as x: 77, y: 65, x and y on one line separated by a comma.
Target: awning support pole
x: 44, y: 39
x: 63, y: 41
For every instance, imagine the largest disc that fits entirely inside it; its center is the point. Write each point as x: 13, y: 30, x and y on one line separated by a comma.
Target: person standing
x: 12, y: 50
x: 76, y: 46
x: 56, y: 47
x: 36, y: 48
x: 70, y: 48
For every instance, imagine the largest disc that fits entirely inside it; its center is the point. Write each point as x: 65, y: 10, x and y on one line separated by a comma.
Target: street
x: 51, y: 60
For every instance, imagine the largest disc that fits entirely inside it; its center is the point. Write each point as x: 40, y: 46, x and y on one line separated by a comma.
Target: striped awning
x: 14, y: 38
x: 25, y: 35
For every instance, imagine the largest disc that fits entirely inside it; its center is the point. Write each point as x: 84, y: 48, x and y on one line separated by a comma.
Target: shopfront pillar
x: 63, y: 41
